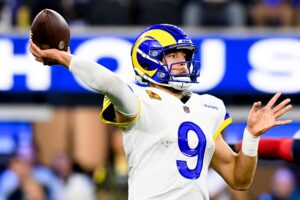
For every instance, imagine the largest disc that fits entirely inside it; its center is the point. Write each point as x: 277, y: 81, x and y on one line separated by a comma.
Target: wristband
x: 250, y: 144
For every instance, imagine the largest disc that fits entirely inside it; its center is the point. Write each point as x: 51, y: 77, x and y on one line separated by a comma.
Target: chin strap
x: 179, y: 85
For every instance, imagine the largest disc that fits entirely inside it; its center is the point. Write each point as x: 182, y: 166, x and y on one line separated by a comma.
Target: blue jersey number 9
x: 198, y: 151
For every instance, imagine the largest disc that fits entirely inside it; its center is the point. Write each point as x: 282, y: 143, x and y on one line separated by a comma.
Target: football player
x: 171, y: 136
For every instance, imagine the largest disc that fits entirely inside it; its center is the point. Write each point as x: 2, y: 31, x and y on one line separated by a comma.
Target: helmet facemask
x: 182, y: 80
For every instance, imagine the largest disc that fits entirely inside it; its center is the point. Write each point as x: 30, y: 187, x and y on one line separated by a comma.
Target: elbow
x: 241, y: 186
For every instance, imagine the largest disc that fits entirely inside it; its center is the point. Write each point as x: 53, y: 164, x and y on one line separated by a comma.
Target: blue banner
x: 234, y: 132
x: 230, y: 65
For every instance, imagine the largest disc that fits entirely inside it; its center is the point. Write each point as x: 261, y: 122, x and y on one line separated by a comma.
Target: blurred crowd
x: 283, y: 186
x: 25, y: 178
x: 237, y: 13
x: 58, y: 160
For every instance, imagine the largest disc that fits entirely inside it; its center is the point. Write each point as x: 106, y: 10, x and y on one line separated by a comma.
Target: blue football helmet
x: 151, y: 47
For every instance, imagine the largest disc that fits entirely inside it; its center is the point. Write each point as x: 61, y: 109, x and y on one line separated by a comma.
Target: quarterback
x: 171, y: 136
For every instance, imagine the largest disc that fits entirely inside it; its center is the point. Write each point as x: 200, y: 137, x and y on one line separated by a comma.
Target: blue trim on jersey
x: 227, y: 115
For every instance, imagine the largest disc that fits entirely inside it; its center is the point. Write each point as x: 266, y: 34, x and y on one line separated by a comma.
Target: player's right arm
x: 97, y: 77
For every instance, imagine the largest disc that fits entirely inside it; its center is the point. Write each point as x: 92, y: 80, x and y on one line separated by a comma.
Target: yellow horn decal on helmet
x: 163, y: 37
x: 135, y: 61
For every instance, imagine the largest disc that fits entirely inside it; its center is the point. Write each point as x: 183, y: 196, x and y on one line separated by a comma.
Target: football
x: 50, y: 30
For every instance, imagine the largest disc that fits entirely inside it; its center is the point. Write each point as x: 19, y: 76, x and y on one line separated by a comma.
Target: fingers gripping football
x: 49, y: 30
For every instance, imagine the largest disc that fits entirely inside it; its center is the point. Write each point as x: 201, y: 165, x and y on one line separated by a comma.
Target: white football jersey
x: 170, y: 144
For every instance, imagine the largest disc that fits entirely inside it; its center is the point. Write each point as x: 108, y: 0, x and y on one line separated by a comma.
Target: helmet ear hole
x: 146, y: 67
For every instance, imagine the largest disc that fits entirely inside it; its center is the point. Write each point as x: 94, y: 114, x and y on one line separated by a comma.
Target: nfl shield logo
x: 186, y: 109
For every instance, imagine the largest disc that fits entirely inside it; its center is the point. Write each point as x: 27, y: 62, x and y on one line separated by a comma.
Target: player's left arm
x: 238, y: 169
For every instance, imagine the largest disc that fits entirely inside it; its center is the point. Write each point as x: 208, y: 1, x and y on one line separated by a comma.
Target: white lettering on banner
x: 115, y: 48
x: 275, y: 65
x: 37, y: 77
x: 212, y: 64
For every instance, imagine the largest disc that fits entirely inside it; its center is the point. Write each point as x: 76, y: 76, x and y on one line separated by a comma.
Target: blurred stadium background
x: 249, y: 50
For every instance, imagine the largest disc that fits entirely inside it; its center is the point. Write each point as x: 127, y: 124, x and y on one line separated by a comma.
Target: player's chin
x: 184, y: 79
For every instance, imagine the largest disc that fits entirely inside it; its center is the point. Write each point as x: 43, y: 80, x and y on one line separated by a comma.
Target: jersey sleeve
x: 108, y: 83
x: 224, y: 123
x: 107, y: 115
